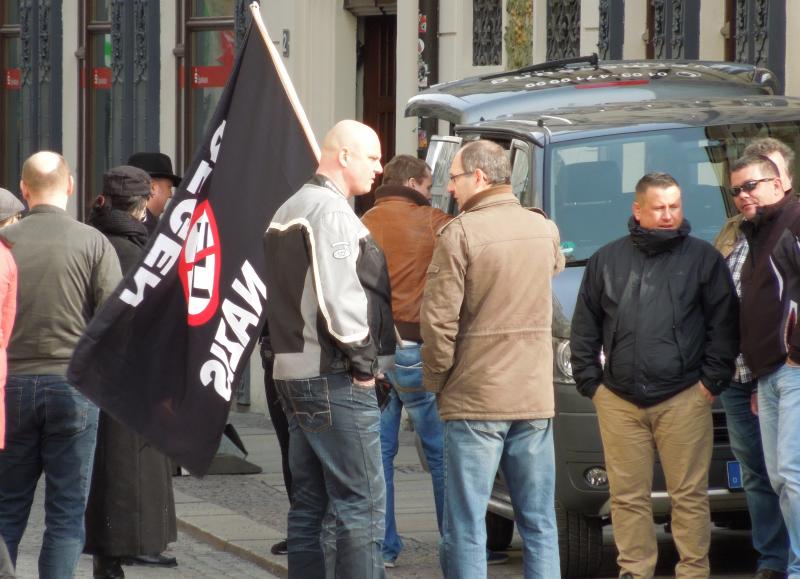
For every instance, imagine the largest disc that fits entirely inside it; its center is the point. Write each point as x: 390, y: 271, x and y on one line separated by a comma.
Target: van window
x: 440, y: 155
x: 590, y: 182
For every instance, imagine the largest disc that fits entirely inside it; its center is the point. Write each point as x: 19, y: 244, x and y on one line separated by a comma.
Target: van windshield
x: 591, y: 182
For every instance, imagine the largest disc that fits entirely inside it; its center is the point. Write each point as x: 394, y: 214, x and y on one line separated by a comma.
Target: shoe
x: 389, y: 563
x: 495, y: 558
x: 107, y: 567
x: 769, y: 574
x: 159, y: 560
x: 280, y: 548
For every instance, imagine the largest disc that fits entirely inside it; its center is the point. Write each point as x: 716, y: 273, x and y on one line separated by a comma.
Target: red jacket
x: 8, y: 309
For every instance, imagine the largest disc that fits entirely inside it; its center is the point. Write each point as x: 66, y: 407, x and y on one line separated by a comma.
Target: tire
x: 499, y: 532
x: 580, y: 543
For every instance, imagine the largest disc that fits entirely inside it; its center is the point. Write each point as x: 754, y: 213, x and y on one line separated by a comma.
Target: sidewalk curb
x: 228, y: 531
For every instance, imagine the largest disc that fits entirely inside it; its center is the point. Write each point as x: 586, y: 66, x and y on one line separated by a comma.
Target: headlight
x: 562, y: 360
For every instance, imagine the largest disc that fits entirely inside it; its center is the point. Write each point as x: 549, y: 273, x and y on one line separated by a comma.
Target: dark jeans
x: 335, y: 457
x: 51, y: 428
x: 769, y: 532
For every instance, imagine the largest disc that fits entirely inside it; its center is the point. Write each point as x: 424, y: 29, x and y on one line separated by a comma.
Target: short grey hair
x: 766, y: 145
x: 489, y: 157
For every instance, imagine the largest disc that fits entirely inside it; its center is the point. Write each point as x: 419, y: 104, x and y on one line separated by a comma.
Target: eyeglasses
x: 748, y: 186
x: 454, y: 177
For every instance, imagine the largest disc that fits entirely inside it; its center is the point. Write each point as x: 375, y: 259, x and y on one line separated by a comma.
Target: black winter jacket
x: 662, y: 307
x: 771, y: 287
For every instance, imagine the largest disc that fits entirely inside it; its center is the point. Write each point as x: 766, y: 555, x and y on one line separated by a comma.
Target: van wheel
x: 499, y: 532
x: 580, y: 543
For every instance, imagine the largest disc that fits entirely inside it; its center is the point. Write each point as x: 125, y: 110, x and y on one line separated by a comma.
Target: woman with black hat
x: 130, y: 516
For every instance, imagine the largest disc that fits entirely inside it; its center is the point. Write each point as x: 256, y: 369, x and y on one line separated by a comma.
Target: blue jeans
x: 334, y: 456
x: 406, y: 377
x: 523, y: 449
x: 769, y: 531
x: 52, y: 428
x: 779, y: 417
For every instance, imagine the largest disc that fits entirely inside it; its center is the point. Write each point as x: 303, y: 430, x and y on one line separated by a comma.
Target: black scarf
x: 655, y: 241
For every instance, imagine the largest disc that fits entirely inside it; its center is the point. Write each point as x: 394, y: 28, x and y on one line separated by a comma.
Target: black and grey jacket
x: 662, y: 307
x: 328, y: 293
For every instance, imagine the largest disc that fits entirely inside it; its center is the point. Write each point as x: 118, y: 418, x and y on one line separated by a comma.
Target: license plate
x: 734, y: 475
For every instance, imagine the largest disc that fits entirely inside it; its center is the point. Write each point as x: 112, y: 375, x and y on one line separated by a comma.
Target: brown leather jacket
x: 487, y: 312
x: 404, y: 225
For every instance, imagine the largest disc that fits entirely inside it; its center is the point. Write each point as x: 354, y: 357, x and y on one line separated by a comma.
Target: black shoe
x: 495, y: 558
x: 280, y: 548
x: 769, y: 574
x: 107, y: 567
x: 159, y: 560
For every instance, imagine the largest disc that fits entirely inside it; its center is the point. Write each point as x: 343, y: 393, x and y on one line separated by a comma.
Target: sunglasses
x: 748, y: 186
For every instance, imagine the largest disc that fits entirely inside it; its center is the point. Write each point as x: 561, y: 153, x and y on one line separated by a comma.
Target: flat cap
x: 126, y: 181
x: 10, y: 204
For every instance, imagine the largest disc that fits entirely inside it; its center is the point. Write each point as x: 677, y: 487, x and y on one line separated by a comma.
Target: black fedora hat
x: 158, y: 165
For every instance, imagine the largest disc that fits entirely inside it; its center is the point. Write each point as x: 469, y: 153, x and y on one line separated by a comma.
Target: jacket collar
x: 385, y: 192
x: 655, y: 241
x: 491, y: 196
x: 766, y: 215
x: 45, y: 208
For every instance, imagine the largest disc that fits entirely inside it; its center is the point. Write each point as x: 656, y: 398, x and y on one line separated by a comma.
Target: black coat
x: 771, y: 287
x: 131, y: 508
x: 663, y: 308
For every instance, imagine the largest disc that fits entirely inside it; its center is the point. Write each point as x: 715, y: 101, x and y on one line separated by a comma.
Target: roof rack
x: 550, y: 65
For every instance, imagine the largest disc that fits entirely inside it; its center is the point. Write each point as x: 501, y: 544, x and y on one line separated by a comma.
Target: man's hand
x: 363, y: 383
x: 706, y: 393
x: 754, y: 402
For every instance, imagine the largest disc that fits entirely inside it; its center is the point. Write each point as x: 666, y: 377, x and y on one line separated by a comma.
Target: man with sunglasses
x: 769, y: 534
x: 770, y: 336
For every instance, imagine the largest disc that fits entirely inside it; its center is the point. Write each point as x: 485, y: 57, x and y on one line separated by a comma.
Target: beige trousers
x: 680, y: 429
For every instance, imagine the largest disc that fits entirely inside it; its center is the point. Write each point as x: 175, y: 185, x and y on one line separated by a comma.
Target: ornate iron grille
x: 563, y: 28
x: 487, y: 32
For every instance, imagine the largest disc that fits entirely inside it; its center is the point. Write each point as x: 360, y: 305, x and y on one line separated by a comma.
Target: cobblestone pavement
x: 261, y: 499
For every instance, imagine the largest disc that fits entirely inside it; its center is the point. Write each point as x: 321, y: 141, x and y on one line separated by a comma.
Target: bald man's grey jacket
x: 328, y: 293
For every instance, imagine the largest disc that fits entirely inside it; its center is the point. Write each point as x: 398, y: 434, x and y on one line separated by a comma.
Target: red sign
x: 12, y: 79
x: 210, y: 76
x: 101, y: 78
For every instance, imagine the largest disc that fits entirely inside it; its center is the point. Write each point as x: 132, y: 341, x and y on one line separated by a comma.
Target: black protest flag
x: 164, y: 353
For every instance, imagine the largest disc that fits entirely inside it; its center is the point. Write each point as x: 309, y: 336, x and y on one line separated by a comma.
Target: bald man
x: 329, y: 316
x: 65, y: 271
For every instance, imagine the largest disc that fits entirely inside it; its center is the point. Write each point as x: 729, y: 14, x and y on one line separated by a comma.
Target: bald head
x: 351, y: 157
x: 46, y: 179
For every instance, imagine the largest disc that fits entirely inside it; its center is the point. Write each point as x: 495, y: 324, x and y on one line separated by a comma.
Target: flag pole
x: 283, y: 74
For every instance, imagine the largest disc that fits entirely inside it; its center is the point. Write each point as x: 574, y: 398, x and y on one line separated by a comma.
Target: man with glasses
x: 770, y: 338
x: 740, y: 398
x: 487, y: 353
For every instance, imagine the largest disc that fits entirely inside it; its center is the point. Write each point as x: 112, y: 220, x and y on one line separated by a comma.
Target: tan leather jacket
x: 487, y: 311
x: 404, y: 225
